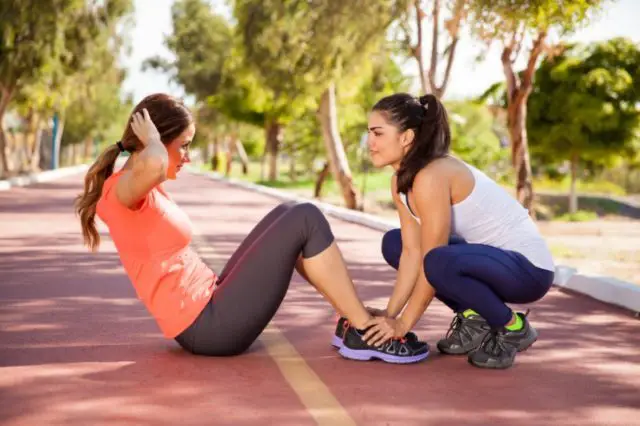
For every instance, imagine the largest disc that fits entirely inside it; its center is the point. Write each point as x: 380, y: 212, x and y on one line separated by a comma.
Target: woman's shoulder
x: 109, y: 200
x: 438, y: 169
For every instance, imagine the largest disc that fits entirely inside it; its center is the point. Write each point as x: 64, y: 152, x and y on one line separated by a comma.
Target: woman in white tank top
x: 463, y: 239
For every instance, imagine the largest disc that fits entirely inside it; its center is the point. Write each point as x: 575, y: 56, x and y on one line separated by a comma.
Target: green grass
x: 550, y: 205
x: 579, y: 216
x: 585, y: 187
x: 374, y: 180
x: 564, y: 252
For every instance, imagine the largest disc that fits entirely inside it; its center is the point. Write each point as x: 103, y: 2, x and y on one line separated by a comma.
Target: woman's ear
x: 407, y: 138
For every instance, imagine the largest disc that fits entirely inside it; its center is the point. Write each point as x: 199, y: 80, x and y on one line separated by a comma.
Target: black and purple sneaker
x: 343, y: 324
x: 341, y: 327
x: 395, y: 351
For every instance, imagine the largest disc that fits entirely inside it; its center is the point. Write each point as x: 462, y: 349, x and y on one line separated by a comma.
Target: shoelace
x: 401, y: 340
x: 493, y: 343
x: 455, y: 328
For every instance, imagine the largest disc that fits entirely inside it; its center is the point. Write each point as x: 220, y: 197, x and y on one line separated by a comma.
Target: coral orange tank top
x: 154, y: 247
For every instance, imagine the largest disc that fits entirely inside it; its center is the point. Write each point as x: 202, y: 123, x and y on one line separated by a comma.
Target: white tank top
x: 491, y: 216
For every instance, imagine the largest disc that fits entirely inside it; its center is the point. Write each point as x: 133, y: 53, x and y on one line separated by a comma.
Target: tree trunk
x: 238, y: 149
x: 32, y: 140
x: 573, y: 196
x: 520, y: 154
x: 335, y: 150
x: 35, y: 153
x: 58, y: 142
x: 292, y: 166
x: 274, y: 137
x: 228, y: 155
x: 215, y: 155
x: 263, y: 160
x: 88, y: 146
x: 428, y: 77
x: 208, y: 152
x: 5, y: 98
x: 518, y: 90
x: 322, y: 176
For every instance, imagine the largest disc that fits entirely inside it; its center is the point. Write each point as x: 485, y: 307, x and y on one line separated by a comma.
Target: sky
x: 152, y: 22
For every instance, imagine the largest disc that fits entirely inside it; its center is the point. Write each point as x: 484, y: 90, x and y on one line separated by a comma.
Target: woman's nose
x: 370, y: 142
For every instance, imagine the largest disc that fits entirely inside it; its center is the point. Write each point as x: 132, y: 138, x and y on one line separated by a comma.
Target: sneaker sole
x: 336, y: 342
x: 501, y: 367
x: 367, y: 355
x: 489, y: 366
x: 447, y: 352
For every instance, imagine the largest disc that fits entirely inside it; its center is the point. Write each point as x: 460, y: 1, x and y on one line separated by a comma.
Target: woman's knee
x: 437, y: 266
x: 308, y: 210
x: 392, y: 247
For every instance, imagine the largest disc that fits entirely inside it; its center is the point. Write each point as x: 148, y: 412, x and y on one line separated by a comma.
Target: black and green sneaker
x: 464, y: 335
x: 341, y: 328
x: 395, y: 351
x: 499, y: 348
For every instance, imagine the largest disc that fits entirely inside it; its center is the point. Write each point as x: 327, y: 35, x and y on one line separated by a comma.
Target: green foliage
x: 474, y: 138
x: 297, y: 47
x: 595, y: 185
x: 585, y: 104
x: 378, y: 77
x: 209, y: 67
x: 61, y: 56
x: 201, y: 42
x: 499, y: 19
x: 45, y: 42
x: 98, y: 112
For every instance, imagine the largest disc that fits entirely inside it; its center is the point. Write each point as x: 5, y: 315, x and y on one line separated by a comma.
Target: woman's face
x: 178, y: 151
x: 387, y: 145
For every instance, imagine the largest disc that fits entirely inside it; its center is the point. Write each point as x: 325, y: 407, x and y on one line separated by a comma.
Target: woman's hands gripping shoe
x: 379, y: 330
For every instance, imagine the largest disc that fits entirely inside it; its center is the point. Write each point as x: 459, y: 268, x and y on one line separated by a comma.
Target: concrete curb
x: 605, y: 289
x: 45, y: 176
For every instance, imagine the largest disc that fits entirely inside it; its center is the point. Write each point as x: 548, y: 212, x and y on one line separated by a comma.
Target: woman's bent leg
x: 253, y: 287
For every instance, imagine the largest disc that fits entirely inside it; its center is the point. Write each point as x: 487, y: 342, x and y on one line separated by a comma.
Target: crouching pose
x: 463, y: 239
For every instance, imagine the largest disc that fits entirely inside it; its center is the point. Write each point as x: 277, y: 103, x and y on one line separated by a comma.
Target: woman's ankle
x: 360, y: 321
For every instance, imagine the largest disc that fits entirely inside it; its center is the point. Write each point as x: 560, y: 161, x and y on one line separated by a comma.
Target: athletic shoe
x: 395, y: 351
x: 341, y: 328
x: 343, y: 324
x: 499, y: 348
x: 464, y: 335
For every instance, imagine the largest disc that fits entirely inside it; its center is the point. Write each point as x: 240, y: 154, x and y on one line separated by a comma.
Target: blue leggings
x: 477, y: 276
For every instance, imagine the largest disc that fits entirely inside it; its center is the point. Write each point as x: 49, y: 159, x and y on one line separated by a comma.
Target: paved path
x: 77, y: 347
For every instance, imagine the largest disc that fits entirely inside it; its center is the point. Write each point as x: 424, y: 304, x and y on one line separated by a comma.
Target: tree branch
x: 536, y: 50
x: 434, y: 42
x: 447, y: 71
x: 518, y: 40
x: 425, y: 81
x: 510, y: 76
x: 454, y: 29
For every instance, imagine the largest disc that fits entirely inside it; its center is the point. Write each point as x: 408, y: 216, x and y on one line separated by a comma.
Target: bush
x: 579, y: 216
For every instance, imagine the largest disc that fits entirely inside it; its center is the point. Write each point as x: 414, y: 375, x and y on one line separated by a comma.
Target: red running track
x: 78, y: 348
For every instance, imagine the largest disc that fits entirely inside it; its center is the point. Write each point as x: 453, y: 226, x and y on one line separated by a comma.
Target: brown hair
x: 427, y: 117
x: 170, y: 116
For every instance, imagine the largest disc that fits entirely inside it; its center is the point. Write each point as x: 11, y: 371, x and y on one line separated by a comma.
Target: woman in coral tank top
x: 205, y: 313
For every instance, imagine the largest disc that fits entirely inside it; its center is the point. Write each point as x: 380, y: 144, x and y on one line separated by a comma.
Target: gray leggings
x: 255, y: 280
